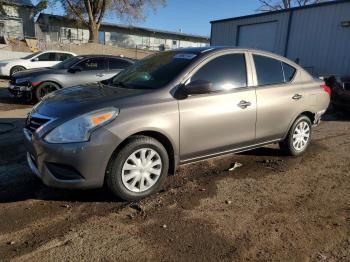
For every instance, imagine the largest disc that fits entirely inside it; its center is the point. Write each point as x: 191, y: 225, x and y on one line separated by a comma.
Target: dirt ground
x: 273, y: 208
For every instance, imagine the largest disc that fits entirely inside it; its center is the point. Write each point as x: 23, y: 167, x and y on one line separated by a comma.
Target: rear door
x: 62, y: 56
x: 217, y: 122
x: 279, y: 99
x: 92, y: 70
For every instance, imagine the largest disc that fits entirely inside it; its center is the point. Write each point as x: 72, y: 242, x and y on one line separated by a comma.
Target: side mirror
x: 199, y: 87
x: 34, y: 59
x: 75, y: 69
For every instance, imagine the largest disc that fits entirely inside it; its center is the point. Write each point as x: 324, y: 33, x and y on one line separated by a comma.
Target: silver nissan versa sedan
x: 171, y: 108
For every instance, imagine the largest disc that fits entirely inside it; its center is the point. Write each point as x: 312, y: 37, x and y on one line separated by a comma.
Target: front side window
x: 270, y: 71
x: 224, y: 72
x: 68, y: 62
x: 92, y: 64
x: 47, y: 57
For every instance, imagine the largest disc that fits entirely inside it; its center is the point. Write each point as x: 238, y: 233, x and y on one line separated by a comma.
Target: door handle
x: 244, y: 104
x: 100, y: 75
x: 297, y: 97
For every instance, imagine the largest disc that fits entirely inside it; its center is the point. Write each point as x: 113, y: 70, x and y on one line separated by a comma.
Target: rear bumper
x: 318, y: 116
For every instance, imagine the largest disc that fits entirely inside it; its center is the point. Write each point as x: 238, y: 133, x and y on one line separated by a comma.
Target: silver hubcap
x: 141, y: 170
x: 301, y: 136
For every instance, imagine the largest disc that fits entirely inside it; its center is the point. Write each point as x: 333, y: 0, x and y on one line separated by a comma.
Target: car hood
x: 69, y: 102
x: 11, y: 61
x: 34, y: 72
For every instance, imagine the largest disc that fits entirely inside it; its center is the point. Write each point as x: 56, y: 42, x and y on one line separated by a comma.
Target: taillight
x: 327, y: 89
x: 35, y: 84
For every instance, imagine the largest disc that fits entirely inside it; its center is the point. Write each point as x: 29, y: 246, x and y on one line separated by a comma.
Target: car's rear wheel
x: 139, y: 169
x: 16, y: 69
x: 299, y: 137
x: 44, y: 89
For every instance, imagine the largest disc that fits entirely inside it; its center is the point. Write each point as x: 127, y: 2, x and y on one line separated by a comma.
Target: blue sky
x: 191, y: 16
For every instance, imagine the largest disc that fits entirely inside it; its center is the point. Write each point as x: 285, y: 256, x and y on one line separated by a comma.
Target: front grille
x: 33, y: 122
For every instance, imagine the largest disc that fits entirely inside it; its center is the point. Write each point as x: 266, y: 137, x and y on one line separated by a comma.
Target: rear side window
x: 224, y: 72
x: 270, y: 71
x: 93, y: 64
x: 115, y: 63
x: 62, y: 56
x: 288, y: 71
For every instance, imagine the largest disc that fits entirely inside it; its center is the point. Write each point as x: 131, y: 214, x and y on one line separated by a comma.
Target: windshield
x: 31, y: 55
x: 155, y: 71
x: 68, y: 62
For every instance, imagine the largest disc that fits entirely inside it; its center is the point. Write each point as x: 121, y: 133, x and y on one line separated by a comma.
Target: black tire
x: 44, y: 89
x: 287, y: 145
x: 16, y: 69
x: 114, y: 178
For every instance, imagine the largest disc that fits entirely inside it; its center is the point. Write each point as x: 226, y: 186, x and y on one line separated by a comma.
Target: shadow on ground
x: 18, y: 183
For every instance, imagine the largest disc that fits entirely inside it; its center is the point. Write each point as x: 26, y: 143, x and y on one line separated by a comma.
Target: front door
x: 47, y: 59
x: 222, y: 120
x: 92, y: 70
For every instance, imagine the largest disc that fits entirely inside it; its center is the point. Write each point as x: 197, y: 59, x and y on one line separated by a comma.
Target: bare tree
x: 37, y: 8
x: 273, y: 5
x: 92, y: 12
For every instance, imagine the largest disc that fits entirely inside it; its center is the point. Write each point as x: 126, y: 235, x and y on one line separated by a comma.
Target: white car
x: 35, y: 60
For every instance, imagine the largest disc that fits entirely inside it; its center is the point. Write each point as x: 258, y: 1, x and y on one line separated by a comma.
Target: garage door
x: 260, y: 36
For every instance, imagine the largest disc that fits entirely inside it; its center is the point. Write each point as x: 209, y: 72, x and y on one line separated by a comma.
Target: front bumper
x: 4, y: 70
x: 19, y: 91
x: 71, y: 166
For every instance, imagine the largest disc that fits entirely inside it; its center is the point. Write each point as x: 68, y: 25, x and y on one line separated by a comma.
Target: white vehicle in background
x: 35, y: 60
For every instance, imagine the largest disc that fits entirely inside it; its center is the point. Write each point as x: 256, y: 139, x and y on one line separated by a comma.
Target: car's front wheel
x: 44, y: 89
x: 16, y: 69
x: 299, y: 137
x: 139, y: 169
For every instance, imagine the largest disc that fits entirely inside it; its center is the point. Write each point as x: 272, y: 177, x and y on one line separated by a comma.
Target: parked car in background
x: 36, y: 83
x: 341, y: 94
x: 174, y: 107
x: 35, y: 60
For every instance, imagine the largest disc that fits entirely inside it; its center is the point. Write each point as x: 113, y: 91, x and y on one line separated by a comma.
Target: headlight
x: 80, y: 128
x: 22, y: 80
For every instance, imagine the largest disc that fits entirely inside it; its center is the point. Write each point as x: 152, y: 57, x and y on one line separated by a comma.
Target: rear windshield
x: 155, y: 71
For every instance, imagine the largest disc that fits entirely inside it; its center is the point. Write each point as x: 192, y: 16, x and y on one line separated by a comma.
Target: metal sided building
x: 316, y: 36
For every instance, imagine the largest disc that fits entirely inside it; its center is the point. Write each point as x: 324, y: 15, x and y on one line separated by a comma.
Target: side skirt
x: 236, y: 150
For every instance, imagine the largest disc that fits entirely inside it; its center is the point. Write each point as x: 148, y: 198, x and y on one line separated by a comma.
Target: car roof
x: 57, y: 51
x: 107, y: 56
x: 215, y: 49
x: 220, y: 48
